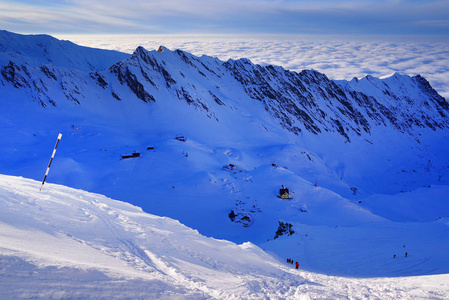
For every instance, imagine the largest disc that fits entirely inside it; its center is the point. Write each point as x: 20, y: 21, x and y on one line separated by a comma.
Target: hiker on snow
x: 297, y: 265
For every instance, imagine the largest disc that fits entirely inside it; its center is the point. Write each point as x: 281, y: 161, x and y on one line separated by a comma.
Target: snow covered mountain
x: 214, y: 142
x: 300, y: 101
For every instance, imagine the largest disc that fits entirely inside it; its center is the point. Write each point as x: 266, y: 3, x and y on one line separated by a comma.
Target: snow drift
x: 67, y: 243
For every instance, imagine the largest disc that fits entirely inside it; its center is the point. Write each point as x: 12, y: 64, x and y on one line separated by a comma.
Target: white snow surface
x: 64, y: 243
x: 65, y: 54
x: 355, y: 204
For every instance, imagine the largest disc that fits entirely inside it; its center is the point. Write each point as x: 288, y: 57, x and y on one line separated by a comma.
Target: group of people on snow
x: 290, y: 261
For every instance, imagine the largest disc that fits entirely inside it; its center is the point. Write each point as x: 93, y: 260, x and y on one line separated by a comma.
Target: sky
x: 361, y: 17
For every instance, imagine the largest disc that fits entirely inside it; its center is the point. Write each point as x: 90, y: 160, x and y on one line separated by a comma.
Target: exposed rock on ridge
x: 307, y: 100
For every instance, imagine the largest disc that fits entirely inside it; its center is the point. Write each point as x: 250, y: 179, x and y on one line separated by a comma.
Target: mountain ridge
x: 45, y: 49
x: 300, y: 101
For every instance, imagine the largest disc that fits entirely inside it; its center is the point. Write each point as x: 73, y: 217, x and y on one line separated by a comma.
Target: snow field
x: 66, y: 243
x: 76, y: 230
x: 198, y: 192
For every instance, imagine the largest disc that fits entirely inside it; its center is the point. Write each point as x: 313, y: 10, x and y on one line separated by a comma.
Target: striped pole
x: 51, y: 159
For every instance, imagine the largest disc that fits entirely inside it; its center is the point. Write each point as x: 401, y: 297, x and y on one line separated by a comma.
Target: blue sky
x: 363, y: 17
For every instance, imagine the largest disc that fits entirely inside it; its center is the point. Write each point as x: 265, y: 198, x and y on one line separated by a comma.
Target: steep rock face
x: 319, y: 104
x: 48, y: 70
x: 152, y: 76
x: 307, y: 99
x: 300, y: 101
x: 42, y: 83
x: 400, y: 100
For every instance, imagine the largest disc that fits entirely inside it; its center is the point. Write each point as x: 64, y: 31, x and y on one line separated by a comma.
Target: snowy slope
x: 102, y: 241
x: 65, y: 243
x: 356, y: 155
x: 47, y: 50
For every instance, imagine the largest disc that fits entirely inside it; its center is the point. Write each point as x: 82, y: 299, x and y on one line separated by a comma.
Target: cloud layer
x: 338, y: 59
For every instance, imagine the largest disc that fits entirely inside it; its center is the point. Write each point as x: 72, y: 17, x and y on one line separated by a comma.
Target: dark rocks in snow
x: 48, y: 73
x: 116, y: 96
x: 244, y: 219
x: 341, y: 129
x: 100, y: 79
x: 232, y: 215
x: 125, y: 76
x: 183, y: 94
x: 184, y: 57
x: 181, y: 138
x: 244, y: 212
x: 133, y: 155
x: 425, y: 86
x: 229, y: 167
x: 216, y: 99
x: 145, y: 56
x: 72, y: 98
x: 284, y: 229
x: 11, y: 73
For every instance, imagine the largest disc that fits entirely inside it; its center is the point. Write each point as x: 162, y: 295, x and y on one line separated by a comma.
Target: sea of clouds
x: 338, y: 58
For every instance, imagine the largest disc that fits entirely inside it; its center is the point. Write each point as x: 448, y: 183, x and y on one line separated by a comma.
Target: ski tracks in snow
x: 72, y: 244
x: 201, y: 274
x: 146, y: 260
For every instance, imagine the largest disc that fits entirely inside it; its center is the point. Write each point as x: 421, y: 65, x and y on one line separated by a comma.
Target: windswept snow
x: 65, y: 243
x: 50, y: 51
x: 61, y: 231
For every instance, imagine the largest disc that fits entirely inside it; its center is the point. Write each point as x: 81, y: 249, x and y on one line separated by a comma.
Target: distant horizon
x: 191, y: 17
x: 322, y: 36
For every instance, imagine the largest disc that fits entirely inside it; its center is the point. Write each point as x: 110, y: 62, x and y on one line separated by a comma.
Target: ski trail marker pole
x: 51, y: 159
